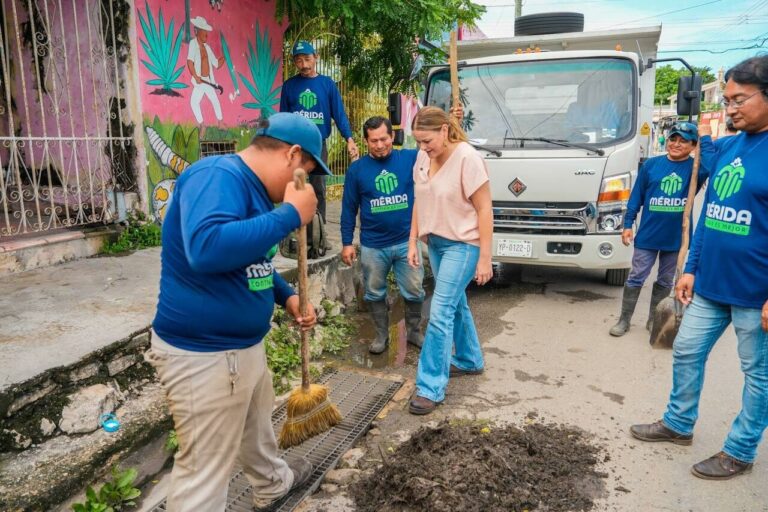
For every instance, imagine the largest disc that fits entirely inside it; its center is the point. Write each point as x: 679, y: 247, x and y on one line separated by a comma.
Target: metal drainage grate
x: 359, y: 399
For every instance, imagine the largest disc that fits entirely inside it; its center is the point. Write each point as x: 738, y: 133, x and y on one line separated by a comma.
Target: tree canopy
x: 375, y: 41
x: 667, y: 76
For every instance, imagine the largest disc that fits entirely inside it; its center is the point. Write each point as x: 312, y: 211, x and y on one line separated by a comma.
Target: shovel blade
x: 666, y: 322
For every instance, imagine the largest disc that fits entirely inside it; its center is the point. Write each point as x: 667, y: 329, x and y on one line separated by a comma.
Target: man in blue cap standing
x: 218, y: 289
x: 660, y: 191
x: 317, y: 98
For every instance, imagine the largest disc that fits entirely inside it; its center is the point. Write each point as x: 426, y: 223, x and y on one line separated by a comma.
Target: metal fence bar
x: 60, y: 92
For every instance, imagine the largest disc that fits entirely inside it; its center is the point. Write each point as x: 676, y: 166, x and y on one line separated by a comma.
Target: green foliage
x: 115, y: 494
x: 283, y: 343
x: 375, y: 40
x: 138, y: 234
x: 667, y: 77
x: 172, y: 441
x: 263, y: 67
x: 162, y: 48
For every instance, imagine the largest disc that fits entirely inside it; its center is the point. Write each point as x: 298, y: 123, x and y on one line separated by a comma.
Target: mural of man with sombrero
x: 201, y: 62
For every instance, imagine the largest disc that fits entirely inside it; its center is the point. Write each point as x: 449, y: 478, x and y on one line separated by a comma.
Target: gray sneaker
x: 301, y: 469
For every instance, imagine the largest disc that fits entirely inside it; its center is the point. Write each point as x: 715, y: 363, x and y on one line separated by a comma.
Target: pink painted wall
x: 77, y: 83
x: 237, y: 21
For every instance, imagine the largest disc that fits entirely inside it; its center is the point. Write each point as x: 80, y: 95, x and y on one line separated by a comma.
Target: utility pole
x: 518, y: 8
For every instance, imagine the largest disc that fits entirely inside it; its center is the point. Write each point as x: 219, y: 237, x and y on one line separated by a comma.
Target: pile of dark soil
x: 480, y: 467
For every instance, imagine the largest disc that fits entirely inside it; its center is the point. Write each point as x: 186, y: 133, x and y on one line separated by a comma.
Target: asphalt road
x: 548, y: 350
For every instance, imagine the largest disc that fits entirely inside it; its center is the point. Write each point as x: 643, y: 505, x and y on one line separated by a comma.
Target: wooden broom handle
x: 299, y: 181
x: 453, y: 57
x: 687, y: 211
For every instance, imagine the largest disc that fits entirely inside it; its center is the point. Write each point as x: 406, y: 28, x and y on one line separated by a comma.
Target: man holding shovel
x: 218, y: 289
x: 660, y: 191
x: 380, y: 186
x: 726, y: 279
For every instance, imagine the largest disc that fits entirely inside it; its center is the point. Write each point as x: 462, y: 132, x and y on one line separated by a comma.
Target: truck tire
x: 616, y: 276
x: 549, y: 23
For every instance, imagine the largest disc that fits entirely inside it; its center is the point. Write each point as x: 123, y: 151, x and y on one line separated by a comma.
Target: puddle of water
x: 398, y: 353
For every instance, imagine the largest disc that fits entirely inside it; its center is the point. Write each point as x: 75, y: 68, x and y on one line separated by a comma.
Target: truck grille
x: 541, y: 218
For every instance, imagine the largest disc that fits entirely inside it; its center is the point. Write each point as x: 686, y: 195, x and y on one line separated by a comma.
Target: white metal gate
x: 65, y: 147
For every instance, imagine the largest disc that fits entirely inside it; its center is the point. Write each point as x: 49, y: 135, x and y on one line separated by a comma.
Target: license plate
x: 514, y: 248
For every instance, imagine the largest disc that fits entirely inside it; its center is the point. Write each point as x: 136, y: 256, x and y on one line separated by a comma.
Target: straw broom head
x: 309, y: 413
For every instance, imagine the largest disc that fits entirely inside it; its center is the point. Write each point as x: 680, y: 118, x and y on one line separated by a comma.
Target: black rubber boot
x: 628, y: 304
x: 380, y: 316
x: 413, y: 323
x: 658, y: 293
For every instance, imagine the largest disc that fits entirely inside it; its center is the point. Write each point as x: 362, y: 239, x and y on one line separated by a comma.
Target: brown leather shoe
x: 420, y: 405
x: 720, y: 466
x: 458, y: 372
x: 658, y: 432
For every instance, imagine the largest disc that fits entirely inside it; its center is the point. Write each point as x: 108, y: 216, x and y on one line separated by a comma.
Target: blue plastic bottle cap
x: 109, y: 422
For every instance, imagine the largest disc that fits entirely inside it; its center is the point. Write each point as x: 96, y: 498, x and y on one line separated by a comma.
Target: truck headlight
x: 612, y: 203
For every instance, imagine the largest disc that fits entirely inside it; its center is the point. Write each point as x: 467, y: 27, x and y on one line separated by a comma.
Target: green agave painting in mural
x: 263, y: 67
x: 162, y: 47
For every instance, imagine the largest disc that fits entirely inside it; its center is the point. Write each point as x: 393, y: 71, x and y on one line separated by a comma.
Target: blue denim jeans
x: 376, y: 264
x: 642, y: 263
x: 703, y: 324
x: 450, y: 320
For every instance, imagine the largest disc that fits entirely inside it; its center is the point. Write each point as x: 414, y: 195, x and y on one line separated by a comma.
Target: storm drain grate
x: 359, y: 399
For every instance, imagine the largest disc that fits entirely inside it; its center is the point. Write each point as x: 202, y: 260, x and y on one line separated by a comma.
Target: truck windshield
x: 585, y: 101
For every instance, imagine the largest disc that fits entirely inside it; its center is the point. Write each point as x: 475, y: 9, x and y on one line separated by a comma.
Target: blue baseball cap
x: 303, y: 47
x: 688, y: 131
x: 293, y: 128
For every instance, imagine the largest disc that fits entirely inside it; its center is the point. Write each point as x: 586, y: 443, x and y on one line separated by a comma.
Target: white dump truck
x: 563, y: 121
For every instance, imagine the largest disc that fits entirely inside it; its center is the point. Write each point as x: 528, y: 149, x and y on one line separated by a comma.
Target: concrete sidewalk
x: 55, y: 316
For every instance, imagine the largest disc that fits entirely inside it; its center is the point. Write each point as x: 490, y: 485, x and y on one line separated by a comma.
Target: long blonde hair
x: 433, y: 118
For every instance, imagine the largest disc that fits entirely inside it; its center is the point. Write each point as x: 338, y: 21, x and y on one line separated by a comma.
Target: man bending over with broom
x: 660, y: 191
x: 218, y: 288
x: 726, y: 280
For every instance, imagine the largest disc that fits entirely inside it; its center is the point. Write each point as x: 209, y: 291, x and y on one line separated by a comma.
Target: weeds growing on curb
x: 283, y: 341
x: 138, y: 234
x: 114, y: 495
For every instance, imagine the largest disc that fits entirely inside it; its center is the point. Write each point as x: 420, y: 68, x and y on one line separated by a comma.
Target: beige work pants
x: 217, y: 424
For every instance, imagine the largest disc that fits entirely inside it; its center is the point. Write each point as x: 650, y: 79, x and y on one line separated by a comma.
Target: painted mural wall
x: 208, y: 69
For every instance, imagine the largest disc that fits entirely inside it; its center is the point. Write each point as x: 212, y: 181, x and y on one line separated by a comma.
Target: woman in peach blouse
x: 452, y: 214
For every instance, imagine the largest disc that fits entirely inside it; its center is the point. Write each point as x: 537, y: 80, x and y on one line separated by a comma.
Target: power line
x: 755, y: 46
x: 664, y: 13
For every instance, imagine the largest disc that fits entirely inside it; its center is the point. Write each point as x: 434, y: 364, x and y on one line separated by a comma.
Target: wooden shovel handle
x: 299, y: 181
x: 687, y: 212
x: 454, y: 66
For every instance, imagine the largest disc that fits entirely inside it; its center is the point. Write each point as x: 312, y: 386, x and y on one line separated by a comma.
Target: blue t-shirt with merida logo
x: 318, y: 100
x: 661, y: 190
x: 382, y: 190
x: 729, y: 255
x: 218, y: 286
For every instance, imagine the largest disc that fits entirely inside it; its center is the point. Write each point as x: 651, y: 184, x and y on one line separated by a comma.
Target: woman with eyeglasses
x: 660, y: 192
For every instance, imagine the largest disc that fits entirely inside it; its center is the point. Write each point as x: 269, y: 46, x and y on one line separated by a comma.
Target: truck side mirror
x: 689, y: 95
x: 394, y: 109
x: 418, y: 63
x: 399, y: 138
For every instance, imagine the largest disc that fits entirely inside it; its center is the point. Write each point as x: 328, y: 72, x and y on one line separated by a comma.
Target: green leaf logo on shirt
x: 308, y: 99
x: 728, y: 180
x: 671, y: 184
x: 386, y: 182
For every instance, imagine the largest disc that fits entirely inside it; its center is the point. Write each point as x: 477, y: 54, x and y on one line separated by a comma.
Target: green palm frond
x: 263, y: 68
x: 162, y: 47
